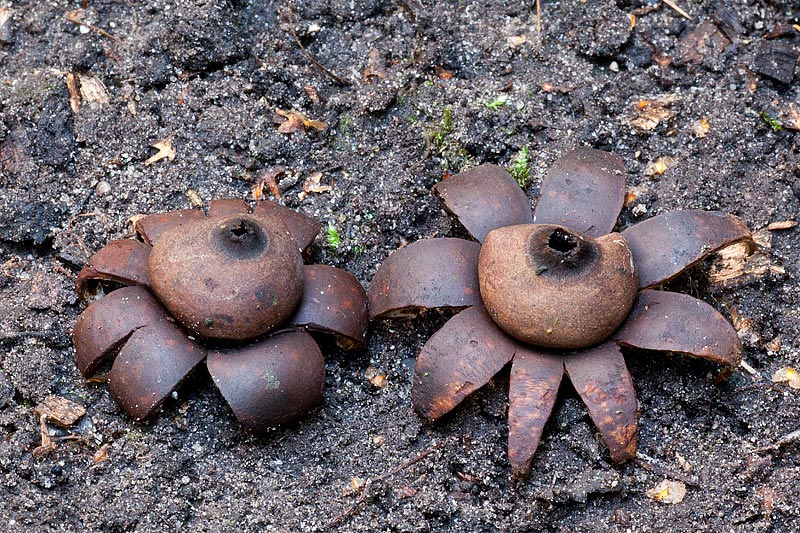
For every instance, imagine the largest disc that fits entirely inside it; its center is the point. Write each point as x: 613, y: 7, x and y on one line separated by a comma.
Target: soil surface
x: 409, y: 91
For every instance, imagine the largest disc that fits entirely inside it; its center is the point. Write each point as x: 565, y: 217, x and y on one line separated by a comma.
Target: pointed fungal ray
x: 333, y: 302
x: 603, y: 382
x: 535, y: 378
x: 272, y: 381
x: 123, y: 261
x: 457, y: 360
x: 674, y: 322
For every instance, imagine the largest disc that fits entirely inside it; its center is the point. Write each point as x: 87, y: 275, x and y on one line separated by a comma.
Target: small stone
x: 102, y: 188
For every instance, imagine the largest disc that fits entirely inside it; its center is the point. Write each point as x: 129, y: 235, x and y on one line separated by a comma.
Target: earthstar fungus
x: 229, y: 288
x: 554, y: 292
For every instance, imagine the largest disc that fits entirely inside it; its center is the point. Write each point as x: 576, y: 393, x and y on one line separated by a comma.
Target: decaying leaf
x: 651, y: 113
x: 101, y: 455
x: 669, y: 492
x: 267, y: 177
x: 165, y: 151
x: 787, y: 375
x: 442, y: 73
x: 312, y: 184
x: 705, y: 41
x: 295, y: 122
x: 701, y: 127
x: 377, y: 377
x: 312, y: 94
x: 355, y: 486
x: 59, y: 410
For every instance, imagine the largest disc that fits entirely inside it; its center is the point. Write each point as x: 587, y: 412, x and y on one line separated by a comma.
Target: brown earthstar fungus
x: 229, y: 288
x: 554, y: 292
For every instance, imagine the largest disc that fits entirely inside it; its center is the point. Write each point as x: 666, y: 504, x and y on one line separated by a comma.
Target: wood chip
x: 93, y: 90
x: 194, y: 198
x: 776, y: 60
x: 74, y: 93
x: 669, y: 492
x: 783, y: 224
x: 659, y: 166
x: 738, y: 264
x: 706, y: 41
x: 376, y: 67
x: 59, y: 410
x: 165, y: 151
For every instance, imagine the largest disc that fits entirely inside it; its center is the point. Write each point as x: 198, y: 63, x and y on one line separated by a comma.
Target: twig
x: 648, y: 463
x: 678, y: 9
x: 786, y: 439
x: 76, y: 17
x: 370, y: 482
x: 538, y: 22
x: 308, y: 55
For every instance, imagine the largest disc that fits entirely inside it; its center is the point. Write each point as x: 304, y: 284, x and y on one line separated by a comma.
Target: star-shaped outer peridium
x: 267, y: 381
x: 584, y: 190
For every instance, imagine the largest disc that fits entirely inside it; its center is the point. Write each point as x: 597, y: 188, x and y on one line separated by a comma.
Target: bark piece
x: 583, y: 190
x: 428, y: 274
x: 484, y: 198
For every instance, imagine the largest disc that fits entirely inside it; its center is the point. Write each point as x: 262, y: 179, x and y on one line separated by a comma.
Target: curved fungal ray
x: 303, y: 228
x: 484, y: 198
x: 150, y: 227
x: 123, y: 261
x: 583, y: 190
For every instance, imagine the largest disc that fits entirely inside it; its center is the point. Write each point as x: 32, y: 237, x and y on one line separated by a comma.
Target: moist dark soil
x: 409, y: 91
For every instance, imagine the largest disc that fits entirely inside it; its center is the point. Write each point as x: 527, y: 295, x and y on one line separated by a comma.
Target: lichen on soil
x: 702, y: 110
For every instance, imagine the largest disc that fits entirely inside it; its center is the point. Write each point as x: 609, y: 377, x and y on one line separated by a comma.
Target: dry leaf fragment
x: 701, y: 127
x: 651, y: 113
x: 354, y: 487
x: 787, y: 375
x: 442, y: 73
x: 101, y: 455
x: 783, y: 224
x: 669, y: 492
x: 659, y: 166
x: 59, y: 410
x: 377, y: 377
x: 72, y: 89
x: 312, y: 184
x: 267, y: 177
x: 5, y: 15
x: 376, y: 68
x: 165, y: 151
x: 93, y: 90
x: 294, y: 122
x: 515, y: 41
x: 312, y: 94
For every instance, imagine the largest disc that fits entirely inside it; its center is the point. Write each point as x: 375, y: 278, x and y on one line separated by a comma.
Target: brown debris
x: 76, y: 17
x: 789, y: 117
x: 267, y: 177
x: 92, y: 89
x: 776, y: 60
x: 72, y: 89
x: 787, y: 375
x: 376, y: 67
x: 5, y: 15
x: 296, y: 122
x: 377, y: 377
x: 701, y: 127
x: 165, y: 151
x: 739, y: 264
x: 704, y: 42
x: 442, y: 73
x: 659, y: 166
x: 783, y: 224
x: 651, y: 113
x: 669, y: 492
x: 59, y: 410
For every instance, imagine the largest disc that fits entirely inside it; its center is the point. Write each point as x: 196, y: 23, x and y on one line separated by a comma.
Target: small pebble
x: 102, y: 188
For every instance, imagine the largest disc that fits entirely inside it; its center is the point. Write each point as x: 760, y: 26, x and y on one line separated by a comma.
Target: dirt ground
x: 408, y: 91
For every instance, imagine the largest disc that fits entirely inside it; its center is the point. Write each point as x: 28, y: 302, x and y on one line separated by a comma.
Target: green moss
x: 520, y: 167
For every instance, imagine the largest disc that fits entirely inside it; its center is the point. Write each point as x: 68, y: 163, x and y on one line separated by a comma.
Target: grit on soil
x: 700, y: 109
